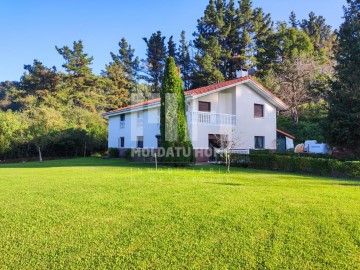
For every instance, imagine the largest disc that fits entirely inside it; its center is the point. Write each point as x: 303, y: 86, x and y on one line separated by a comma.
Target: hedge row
x: 310, y: 165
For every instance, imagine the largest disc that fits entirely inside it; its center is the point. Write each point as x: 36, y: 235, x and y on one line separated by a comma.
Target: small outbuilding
x: 285, y: 141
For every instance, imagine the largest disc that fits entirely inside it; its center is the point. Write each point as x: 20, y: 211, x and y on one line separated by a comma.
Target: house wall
x: 289, y: 143
x: 238, y: 100
x: 223, y: 102
x: 248, y: 126
x: 149, y: 129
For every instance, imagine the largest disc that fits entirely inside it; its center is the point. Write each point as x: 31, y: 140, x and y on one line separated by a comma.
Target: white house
x: 241, y: 108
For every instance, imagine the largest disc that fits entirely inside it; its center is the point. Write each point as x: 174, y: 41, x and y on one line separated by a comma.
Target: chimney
x: 243, y: 72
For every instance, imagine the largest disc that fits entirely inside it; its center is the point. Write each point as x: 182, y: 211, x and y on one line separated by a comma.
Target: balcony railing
x: 206, y: 118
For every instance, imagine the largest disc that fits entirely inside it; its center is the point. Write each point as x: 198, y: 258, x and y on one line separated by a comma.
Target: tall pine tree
x: 185, y: 61
x: 171, y: 48
x: 209, y: 40
x: 127, y: 61
x: 155, y: 61
x: 344, y: 111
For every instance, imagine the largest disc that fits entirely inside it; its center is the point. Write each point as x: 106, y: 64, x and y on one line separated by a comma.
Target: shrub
x: 128, y: 155
x: 113, y: 152
x: 310, y: 165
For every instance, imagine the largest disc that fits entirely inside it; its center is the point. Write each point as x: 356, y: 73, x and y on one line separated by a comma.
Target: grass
x: 104, y: 214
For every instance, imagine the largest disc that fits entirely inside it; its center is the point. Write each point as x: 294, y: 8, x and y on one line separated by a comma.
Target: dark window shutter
x: 258, y: 110
x: 204, y: 106
x: 122, y: 142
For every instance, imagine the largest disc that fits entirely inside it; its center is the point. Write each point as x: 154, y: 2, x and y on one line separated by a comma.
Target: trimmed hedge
x: 310, y: 165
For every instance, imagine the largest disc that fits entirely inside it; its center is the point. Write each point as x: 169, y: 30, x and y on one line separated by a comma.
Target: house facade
x: 241, y: 109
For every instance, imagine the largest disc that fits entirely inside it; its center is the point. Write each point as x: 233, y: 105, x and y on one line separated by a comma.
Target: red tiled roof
x: 212, y: 87
x: 150, y: 101
x: 203, y: 90
x: 286, y: 134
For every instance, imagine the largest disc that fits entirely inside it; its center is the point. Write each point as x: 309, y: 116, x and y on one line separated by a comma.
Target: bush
x: 113, y: 152
x: 310, y: 165
x: 128, y: 155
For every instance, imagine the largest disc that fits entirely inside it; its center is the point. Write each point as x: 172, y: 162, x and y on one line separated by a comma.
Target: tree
x: 264, y: 41
x: 246, y: 45
x: 43, y: 126
x: 175, y: 138
x: 232, y: 40
x: 117, y: 86
x: 10, y: 131
x: 344, y: 99
x: 185, y: 61
x: 321, y: 36
x: 293, y: 80
x: 40, y: 82
x: 76, y: 61
x: 171, y: 48
x: 208, y: 41
x: 228, y: 143
x: 293, y: 21
x: 155, y: 61
x: 126, y: 60
x: 80, y: 85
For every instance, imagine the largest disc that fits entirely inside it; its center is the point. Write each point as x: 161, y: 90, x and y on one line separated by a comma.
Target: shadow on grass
x: 225, y: 184
x: 355, y: 184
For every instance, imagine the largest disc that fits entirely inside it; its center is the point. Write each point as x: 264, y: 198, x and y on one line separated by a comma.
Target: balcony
x: 122, y: 124
x: 206, y: 118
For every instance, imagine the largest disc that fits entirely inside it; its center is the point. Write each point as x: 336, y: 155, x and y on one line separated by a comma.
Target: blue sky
x: 31, y: 29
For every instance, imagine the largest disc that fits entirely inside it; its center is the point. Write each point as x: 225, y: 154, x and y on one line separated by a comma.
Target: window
x: 204, y: 106
x: 122, y: 117
x: 259, y: 142
x: 258, y: 110
x: 158, y: 139
x: 140, y: 142
x: 122, y: 142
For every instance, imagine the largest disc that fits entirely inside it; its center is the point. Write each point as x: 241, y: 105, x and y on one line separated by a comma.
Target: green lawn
x: 102, y: 214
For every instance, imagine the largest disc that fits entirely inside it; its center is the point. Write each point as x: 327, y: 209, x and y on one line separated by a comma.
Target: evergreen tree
x: 116, y: 85
x: 39, y: 77
x: 344, y: 111
x: 232, y: 39
x: 155, y: 61
x: 319, y: 32
x: 185, y: 61
x: 245, y: 51
x: 209, y: 41
x: 77, y: 62
x: 264, y: 40
x: 39, y: 85
x: 173, y: 126
x: 293, y: 21
x: 80, y: 85
x: 127, y: 61
x: 171, y: 48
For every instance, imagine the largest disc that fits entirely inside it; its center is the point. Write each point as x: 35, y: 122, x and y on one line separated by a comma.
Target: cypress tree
x: 173, y: 124
x: 344, y: 111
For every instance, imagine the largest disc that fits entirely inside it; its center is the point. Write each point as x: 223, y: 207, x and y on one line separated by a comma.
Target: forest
x: 315, y: 69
